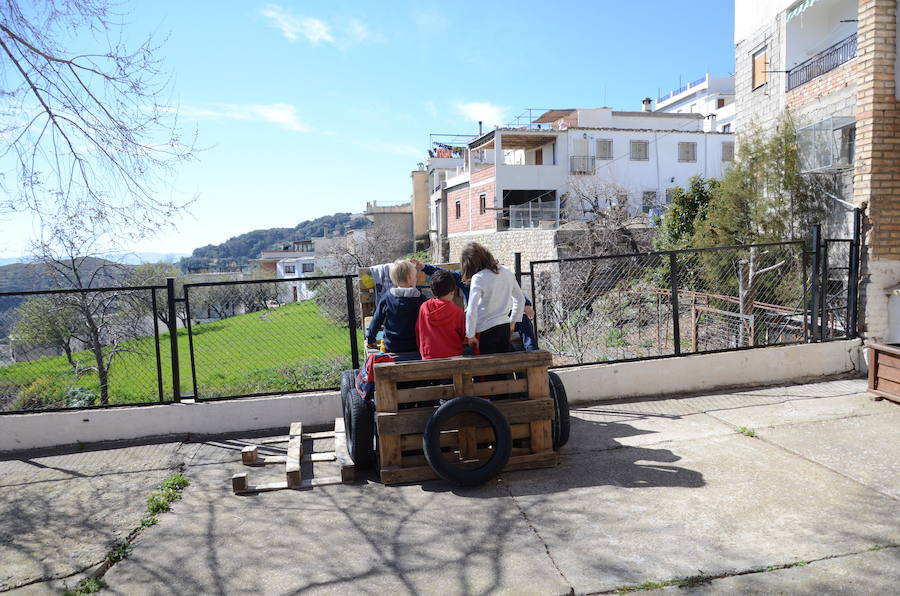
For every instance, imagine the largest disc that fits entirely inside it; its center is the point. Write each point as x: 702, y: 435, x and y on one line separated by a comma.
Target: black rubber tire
x: 348, y: 380
x: 560, y: 411
x: 359, y: 419
x: 431, y: 441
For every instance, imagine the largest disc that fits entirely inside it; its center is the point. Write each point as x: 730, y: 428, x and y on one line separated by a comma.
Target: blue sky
x: 308, y: 108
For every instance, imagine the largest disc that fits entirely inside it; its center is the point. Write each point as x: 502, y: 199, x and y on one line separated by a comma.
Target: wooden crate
x: 400, y: 429
x: 884, y: 371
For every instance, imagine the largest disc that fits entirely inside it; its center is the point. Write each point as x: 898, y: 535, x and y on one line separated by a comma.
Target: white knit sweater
x: 491, y: 297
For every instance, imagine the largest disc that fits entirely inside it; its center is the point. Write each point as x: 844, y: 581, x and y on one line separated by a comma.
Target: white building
x: 711, y: 97
x: 446, y: 159
x: 301, y: 258
x: 515, y: 177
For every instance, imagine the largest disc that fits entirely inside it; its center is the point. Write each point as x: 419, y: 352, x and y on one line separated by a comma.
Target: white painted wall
x: 750, y: 15
x: 707, y: 372
x: 50, y: 429
x: 602, y: 382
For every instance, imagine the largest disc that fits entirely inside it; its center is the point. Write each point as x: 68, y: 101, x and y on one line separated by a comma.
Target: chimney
x: 647, y: 104
x: 479, y: 128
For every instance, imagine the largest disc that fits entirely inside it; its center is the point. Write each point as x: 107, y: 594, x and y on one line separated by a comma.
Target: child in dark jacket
x: 398, y: 309
x: 441, y: 327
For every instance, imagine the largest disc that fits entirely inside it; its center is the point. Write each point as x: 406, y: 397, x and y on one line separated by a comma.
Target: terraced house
x: 832, y: 63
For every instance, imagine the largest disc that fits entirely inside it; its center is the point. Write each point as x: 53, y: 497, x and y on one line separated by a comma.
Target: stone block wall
x: 535, y: 245
x: 763, y: 105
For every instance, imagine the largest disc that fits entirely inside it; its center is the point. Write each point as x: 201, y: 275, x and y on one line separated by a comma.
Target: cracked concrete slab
x: 368, y: 538
x: 714, y: 505
x: 863, y: 573
x: 60, y: 514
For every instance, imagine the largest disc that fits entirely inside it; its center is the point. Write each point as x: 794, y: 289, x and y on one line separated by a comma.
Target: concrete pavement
x: 647, y: 491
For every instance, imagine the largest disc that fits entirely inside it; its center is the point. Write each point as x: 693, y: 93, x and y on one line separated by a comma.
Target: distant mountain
x: 240, y: 249
x: 136, y: 258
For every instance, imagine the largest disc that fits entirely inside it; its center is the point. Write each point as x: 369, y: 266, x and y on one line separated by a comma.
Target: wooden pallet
x: 884, y: 371
x: 400, y: 430
x: 292, y: 461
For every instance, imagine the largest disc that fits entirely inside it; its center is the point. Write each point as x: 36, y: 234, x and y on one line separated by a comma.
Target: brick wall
x: 460, y: 224
x: 877, y: 168
x: 842, y: 77
x: 483, y: 182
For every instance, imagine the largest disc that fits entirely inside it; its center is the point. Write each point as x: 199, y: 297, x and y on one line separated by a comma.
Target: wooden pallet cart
x: 400, y: 430
x: 292, y: 461
x: 884, y: 371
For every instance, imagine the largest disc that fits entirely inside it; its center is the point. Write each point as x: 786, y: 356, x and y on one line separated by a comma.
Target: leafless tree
x: 379, y: 243
x: 86, y: 134
x: 104, y: 319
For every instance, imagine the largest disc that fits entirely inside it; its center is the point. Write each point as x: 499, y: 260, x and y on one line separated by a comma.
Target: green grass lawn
x: 292, y: 347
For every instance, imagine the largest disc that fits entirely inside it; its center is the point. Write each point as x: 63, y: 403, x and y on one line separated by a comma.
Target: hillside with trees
x: 239, y: 249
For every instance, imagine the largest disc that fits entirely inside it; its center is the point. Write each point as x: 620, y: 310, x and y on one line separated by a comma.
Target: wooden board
x: 413, y: 421
x: 294, y: 455
x: 399, y: 475
x: 271, y: 486
x: 443, y: 368
x: 348, y: 469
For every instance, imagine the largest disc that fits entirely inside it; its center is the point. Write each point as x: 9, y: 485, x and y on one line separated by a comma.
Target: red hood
x: 439, y: 312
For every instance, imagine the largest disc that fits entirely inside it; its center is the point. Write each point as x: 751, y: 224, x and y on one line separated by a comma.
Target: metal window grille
x: 640, y: 150
x: 604, y: 149
x: 687, y: 151
x: 727, y: 151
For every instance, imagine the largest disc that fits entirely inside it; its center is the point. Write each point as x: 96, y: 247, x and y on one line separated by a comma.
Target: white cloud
x: 282, y: 114
x: 293, y: 26
x: 483, y: 111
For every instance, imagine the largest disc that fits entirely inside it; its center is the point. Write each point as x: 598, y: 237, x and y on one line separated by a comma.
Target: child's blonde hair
x: 401, y: 271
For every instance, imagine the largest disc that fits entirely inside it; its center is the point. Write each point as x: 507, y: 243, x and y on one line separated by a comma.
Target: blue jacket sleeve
x: 430, y: 269
x: 377, y: 321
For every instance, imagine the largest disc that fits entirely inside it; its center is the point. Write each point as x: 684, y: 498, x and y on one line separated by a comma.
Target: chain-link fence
x: 835, y: 284
x: 625, y: 307
x: 264, y: 337
x: 80, y: 348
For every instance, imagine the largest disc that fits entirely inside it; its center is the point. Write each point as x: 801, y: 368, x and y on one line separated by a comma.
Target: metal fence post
x: 351, y: 322
x: 173, y: 339
x: 853, y: 276
x: 534, y: 298
x: 815, y: 266
x: 517, y: 266
x: 673, y: 286
x: 823, y: 293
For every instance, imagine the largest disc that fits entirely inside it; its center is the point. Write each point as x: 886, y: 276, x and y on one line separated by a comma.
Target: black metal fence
x: 234, y: 338
x: 825, y: 61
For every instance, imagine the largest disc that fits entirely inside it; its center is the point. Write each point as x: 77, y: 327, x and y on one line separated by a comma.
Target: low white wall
x: 49, y: 429
x: 687, y: 374
x: 703, y: 372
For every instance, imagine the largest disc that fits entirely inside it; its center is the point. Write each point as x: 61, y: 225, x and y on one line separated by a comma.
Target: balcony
x: 825, y: 61
x: 582, y: 164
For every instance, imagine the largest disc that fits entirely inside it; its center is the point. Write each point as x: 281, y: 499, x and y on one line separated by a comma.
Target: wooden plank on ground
x: 294, y: 455
x: 413, y: 421
x: 348, y: 469
x: 249, y: 455
x: 325, y: 434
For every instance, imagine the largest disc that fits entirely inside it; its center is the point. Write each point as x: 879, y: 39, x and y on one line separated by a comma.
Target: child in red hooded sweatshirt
x: 441, y: 326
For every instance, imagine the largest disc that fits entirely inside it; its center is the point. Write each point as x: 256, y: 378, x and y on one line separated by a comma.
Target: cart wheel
x: 452, y: 466
x: 560, y: 411
x: 348, y: 380
x: 359, y: 423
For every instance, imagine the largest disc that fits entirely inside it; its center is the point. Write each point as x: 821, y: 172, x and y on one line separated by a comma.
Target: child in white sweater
x: 493, y: 293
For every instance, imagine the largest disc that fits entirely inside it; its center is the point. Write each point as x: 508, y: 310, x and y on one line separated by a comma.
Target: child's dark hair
x: 442, y: 283
x: 474, y: 258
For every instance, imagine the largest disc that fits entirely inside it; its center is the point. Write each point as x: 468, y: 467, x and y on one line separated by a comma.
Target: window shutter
x: 760, y: 66
x: 727, y: 151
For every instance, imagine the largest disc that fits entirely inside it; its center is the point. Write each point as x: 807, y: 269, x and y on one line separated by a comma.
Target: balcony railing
x: 825, y: 61
x: 582, y: 164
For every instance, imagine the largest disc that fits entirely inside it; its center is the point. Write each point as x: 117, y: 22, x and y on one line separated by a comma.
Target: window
x: 308, y: 267
x: 290, y: 269
x: 687, y: 151
x: 720, y: 103
x: 670, y: 193
x: 648, y: 200
x: 760, y: 66
x: 604, y: 149
x: 727, y: 151
x: 482, y: 204
x: 693, y: 107
x: 726, y: 128
x: 458, y: 210
x: 640, y: 150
